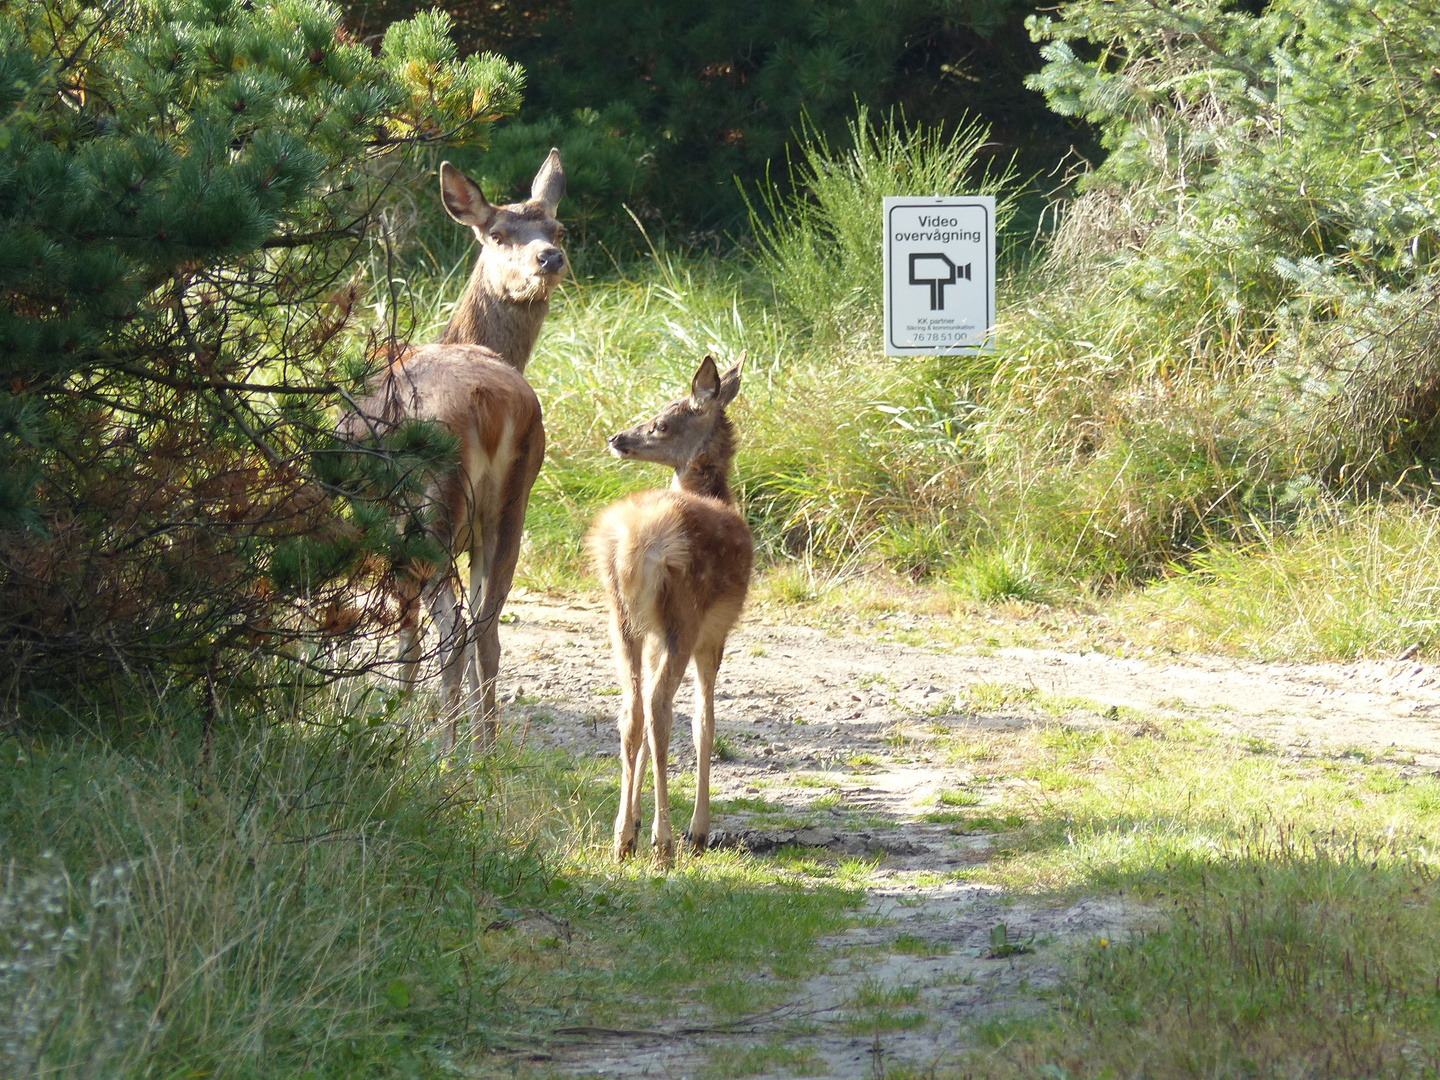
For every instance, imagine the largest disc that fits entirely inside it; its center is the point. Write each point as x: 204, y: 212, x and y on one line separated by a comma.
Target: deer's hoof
x: 699, y: 844
x: 624, y: 849
x: 665, y: 853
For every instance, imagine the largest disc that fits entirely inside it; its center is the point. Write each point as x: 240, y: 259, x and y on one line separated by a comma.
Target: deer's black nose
x: 552, y: 260
x: 614, y: 439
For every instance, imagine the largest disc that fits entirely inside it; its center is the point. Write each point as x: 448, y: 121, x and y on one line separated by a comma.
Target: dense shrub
x: 700, y: 93
x: 1276, y: 176
x: 185, y: 188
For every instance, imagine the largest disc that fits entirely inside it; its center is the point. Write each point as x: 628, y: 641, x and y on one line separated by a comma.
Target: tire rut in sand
x: 796, y: 702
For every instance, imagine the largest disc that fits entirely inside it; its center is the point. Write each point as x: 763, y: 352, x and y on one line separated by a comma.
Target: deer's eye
x: 498, y: 237
x: 661, y: 427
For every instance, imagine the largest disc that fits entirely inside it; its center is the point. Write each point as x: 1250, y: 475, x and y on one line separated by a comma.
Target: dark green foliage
x: 704, y: 93
x: 1278, y: 170
x: 721, y: 88
x: 185, y: 186
x: 609, y: 163
x: 1304, y: 127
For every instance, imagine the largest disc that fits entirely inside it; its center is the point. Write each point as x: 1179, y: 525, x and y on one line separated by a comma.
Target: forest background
x: 1214, y: 352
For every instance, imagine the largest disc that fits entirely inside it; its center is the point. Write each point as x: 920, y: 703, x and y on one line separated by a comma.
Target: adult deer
x: 676, y: 566
x: 471, y: 381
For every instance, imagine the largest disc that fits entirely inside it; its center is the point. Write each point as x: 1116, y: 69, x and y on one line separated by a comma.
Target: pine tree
x: 185, y: 189
x: 663, y: 105
x: 1282, y: 157
x: 1292, y: 130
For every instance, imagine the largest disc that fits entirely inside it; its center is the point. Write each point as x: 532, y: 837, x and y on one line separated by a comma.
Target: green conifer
x: 185, y: 187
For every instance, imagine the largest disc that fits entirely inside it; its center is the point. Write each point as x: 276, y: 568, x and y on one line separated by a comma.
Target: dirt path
x: 796, y: 703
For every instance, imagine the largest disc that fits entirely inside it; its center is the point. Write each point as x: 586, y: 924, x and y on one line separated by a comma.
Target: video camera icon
x: 935, y: 269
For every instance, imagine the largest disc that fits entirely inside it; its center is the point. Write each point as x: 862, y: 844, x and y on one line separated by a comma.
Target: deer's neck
x: 705, y: 476
x: 504, y: 326
x: 708, y: 473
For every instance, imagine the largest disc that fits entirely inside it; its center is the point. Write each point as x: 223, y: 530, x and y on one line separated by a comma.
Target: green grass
x: 1286, y: 907
x: 991, y: 575
x: 806, y: 781
x: 746, y: 804
x: 958, y: 798
x: 876, y: 1007
x: 776, y: 1053
x: 327, y: 899
x: 946, y: 706
x: 913, y: 945
x: 789, y: 585
x: 1349, y: 582
x: 945, y: 817
x: 304, y: 899
x: 990, y: 823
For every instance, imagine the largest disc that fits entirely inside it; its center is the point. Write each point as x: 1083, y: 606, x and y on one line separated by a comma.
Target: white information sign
x: 939, y: 274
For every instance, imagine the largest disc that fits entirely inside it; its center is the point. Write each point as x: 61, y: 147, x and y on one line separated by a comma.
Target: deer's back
x: 660, y: 547
x: 456, y: 385
x: 479, y: 398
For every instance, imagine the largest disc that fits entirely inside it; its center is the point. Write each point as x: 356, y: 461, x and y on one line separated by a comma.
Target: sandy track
x: 795, y: 699
x: 845, y: 688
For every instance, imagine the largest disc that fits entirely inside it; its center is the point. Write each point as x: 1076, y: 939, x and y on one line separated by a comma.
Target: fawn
x: 471, y: 381
x: 676, y: 566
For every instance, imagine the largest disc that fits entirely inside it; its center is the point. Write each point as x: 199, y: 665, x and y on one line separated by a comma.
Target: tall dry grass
x: 291, y: 901
x: 1117, y: 436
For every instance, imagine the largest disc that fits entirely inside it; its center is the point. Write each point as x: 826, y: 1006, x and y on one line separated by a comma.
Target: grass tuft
x: 990, y: 576
x: 330, y: 899
x: 1282, y: 911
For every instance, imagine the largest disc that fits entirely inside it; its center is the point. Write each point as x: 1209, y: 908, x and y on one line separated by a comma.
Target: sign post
x: 939, y: 274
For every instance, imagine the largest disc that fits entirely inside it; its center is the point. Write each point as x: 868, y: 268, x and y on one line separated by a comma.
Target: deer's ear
x: 462, y: 198
x: 730, y: 381
x: 549, y: 183
x: 706, y: 385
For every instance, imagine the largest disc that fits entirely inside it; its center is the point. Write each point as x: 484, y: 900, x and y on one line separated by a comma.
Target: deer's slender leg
x: 408, y: 655
x: 489, y: 585
x: 707, y: 665
x: 454, y: 629
x: 632, y: 736
x: 410, y: 589
x: 473, y: 679
x: 492, y: 570
x: 666, y: 668
x: 642, y: 760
